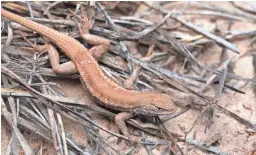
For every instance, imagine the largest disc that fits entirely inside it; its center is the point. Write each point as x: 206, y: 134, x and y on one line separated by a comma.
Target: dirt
x: 234, y: 139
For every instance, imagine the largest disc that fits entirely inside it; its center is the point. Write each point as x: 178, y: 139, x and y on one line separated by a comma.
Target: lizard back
x: 104, y: 89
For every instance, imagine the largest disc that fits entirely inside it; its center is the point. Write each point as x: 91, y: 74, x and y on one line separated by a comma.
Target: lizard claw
x: 85, y: 22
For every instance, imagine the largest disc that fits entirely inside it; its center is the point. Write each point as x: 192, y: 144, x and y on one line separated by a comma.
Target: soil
x: 233, y: 140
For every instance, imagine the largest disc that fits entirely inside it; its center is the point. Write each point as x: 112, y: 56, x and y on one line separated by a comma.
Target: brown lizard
x: 110, y: 94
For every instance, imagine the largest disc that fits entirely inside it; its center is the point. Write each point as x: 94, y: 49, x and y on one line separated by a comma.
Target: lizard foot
x: 120, y: 121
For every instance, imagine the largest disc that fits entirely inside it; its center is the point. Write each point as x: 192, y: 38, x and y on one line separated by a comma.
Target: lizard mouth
x: 164, y: 112
x: 152, y: 112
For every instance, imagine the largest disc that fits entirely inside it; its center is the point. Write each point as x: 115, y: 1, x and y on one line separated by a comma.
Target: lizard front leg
x: 101, y: 45
x: 65, y: 68
x: 120, y: 122
x: 123, y: 116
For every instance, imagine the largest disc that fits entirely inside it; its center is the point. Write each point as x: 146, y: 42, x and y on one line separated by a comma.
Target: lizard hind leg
x: 65, y: 68
x: 120, y: 122
x: 101, y: 45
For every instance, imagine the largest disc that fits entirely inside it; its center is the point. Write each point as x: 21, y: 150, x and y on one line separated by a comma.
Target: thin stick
x: 44, y: 98
x: 217, y: 39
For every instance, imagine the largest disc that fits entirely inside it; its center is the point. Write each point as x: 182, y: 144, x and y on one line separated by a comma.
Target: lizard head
x: 159, y: 104
x: 164, y: 102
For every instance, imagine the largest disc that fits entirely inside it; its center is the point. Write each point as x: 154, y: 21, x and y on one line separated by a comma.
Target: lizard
x: 106, y: 91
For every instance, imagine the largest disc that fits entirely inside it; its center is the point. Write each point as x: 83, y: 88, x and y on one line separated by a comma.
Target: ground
x: 234, y: 138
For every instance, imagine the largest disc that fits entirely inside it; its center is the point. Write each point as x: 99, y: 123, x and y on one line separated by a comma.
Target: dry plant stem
x: 203, y: 100
x: 38, y: 48
x: 218, y: 73
x: 33, y: 68
x: 209, y: 35
x: 244, y: 9
x: 29, y: 125
x: 51, y: 6
x: 16, y: 131
x: 58, y: 148
x: 63, y: 134
x: 63, y: 137
x: 218, y: 94
x: 181, y: 48
x: 175, y: 115
x: 14, y: 139
x: 112, y: 25
x: 198, y: 29
x: 86, y: 73
x: 27, y: 149
x: 72, y: 144
x: 11, y: 102
x: 10, y: 150
x: 42, y: 119
x: 221, y: 10
x: 163, y: 128
x: 125, y: 21
x: 222, y: 81
x: 241, y: 34
x: 16, y: 7
x: 97, y: 138
x: 149, y: 128
x: 9, y: 38
x: 65, y: 100
x: 93, y: 76
x: 136, y: 35
x: 155, y: 69
x: 65, y: 22
x: 211, y: 13
x: 212, y: 77
x: 128, y: 83
x: 52, y: 123
x: 34, y: 117
x: 45, y: 100
x: 30, y: 10
x: 109, y: 93
x: 202, y: 146
x: 19, y: 8
x: 142, y: 34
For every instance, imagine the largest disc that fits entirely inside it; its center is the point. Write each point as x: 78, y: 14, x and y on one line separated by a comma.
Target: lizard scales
x: 111, y: 94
